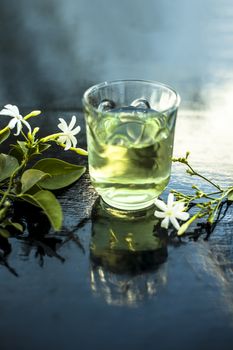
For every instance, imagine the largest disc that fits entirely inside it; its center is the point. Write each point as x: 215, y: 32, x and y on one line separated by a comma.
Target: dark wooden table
x: 54, y: 294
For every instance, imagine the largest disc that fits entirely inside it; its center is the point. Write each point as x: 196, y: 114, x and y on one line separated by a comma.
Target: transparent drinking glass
x: 130, y: 132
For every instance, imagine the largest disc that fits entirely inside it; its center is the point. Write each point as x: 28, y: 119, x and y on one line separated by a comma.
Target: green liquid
x: 130, y: 153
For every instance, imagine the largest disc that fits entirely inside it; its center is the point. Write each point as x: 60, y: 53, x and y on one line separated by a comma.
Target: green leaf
x: 230, y: 195
x: 17, y: 152
x: 16, y: 225
x: 4, y: 233
x: 38, y: 149
x: 23, y: 146
x: 43, y: 147
x: 8, y: 165
x: 4, y: 135
x: 33, y: 190
x: 62, y: 173
x: 49, y: 204
x: 30, y: 178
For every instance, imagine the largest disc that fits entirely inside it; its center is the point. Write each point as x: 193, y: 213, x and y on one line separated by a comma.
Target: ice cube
x: 140, y: 103
x: 106, y: 105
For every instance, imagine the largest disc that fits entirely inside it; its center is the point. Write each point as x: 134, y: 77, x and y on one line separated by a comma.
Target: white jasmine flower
x: 171, y: 212
x: 17, y: 119
x: 68, y: 137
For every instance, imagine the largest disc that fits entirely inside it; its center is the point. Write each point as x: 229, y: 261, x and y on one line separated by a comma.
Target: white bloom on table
x: 68, y: 137
x: 171, y: 212
x: 17, y: 119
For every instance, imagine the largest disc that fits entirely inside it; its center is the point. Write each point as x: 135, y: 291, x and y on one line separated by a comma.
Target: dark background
x: 52, y: 296
x: 52, y: 50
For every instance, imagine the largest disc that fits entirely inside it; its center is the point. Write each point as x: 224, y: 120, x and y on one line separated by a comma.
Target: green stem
x: 214, y: 212
x: 24, y: 135
x: 51, y: 137
x: 80, y: 151
x: 213, y: 193
x: 209, y: 197
x: 9, y: 195
x: 4, y: 129
x: 204, y: 178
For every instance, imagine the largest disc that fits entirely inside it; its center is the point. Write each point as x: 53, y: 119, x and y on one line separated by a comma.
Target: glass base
x: 132, y: 214
x: 128, y: 206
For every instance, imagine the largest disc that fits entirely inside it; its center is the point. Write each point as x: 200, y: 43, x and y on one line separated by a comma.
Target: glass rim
x: 95, y: 87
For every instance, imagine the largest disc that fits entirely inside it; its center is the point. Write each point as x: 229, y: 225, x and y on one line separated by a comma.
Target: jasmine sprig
x: 206, y: 204
x: 34, y: 185
x: 66, y: 138
x: 193, y: 172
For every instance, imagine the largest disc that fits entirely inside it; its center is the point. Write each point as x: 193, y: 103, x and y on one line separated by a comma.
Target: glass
x: 130, y: 132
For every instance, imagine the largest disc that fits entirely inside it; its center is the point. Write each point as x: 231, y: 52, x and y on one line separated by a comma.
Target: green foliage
x: 230, y: 195
x: 42, y: 147
x: 4, y: 233
x: 23, y: 146
x: 8, y: 165
x: 49, y: 204
x: 30, y: 178
x: 61, y: 173
x: 16, y: 225
x: 20, y: 180
x: 208, y: 205
x: 4, y: 135
x: 16, y: 152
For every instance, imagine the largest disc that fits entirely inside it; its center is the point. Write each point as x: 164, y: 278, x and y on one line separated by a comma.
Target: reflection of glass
x: 126, y: 255
x: 130, y: 131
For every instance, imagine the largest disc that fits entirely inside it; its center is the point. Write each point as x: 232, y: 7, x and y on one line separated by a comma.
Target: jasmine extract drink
x: 130, y: 132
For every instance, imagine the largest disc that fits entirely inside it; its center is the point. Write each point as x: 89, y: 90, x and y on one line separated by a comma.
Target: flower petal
x: 72, y: 123
x: 165, y: 222
x: 63, y: 125
x: 68, y: 144
x: 174, y: 222
x: 160, y: 204
x: 7, y: 112
x: 170, y: 200
x: 178, y: 206
x: 19, y: 127
x: 12, y: 123
x: 12, y: 108
x: 160, y: 214
x: 27, y: 125
x: 76, y: 130
x: 183, y: 216
x: 73, y: 140
x: 62, y: 139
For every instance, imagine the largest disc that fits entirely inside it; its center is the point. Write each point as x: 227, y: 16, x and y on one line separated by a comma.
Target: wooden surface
x: 53, y: 293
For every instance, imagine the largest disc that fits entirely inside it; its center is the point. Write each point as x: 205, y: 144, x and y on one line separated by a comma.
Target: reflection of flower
x: 17, y: 119
x: 68, y: 137
x: 171, y: 212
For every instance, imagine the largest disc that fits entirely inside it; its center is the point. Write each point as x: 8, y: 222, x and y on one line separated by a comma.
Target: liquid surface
x: 130, y: 156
